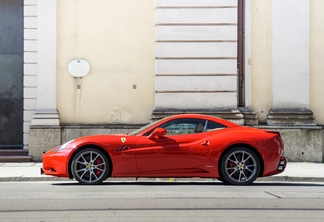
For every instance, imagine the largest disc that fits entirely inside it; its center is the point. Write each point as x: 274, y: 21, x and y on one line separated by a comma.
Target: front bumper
x: 55, y: 164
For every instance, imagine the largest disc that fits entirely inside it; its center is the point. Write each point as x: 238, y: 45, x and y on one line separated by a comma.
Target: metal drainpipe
x: 240, y: 54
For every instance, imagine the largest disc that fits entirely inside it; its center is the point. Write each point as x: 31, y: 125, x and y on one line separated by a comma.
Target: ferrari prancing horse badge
x: 123, y: 139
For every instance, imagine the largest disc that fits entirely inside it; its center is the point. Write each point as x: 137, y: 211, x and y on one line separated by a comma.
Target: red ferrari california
x: 188, y: 145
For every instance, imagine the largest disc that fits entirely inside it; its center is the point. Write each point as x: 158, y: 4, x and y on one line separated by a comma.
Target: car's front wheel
x: 90, y: 166
x: 239, y: 166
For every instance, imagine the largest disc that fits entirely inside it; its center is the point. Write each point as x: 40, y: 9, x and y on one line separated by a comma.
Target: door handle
x: 205, y: 143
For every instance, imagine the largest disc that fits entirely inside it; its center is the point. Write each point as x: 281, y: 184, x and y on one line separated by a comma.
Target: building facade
x: 110, y: 66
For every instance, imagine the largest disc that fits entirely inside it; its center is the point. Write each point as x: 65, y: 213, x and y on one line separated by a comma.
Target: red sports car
x: 188, y: 145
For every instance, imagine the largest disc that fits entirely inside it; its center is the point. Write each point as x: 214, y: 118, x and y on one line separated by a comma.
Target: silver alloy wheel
x: 90, y: 167
x: 241, y: 166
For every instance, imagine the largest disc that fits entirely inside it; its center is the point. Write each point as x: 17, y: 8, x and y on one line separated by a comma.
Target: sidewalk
x: 295, y: 171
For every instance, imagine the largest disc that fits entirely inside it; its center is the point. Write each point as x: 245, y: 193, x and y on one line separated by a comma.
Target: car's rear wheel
x: 90, y: 166
x: 239, y: 166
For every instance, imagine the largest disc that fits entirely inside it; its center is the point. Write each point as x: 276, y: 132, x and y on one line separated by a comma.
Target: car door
x: 184, y: 147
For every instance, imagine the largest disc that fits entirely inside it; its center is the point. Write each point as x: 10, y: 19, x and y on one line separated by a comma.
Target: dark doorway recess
x: 11, y: 74
x: 240, y: 53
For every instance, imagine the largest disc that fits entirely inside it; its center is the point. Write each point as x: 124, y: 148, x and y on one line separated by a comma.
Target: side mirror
x: 158, y: 132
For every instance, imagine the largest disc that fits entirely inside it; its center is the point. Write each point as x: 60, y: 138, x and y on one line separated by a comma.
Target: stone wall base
x: 301, y: 143
x: 44, y: 138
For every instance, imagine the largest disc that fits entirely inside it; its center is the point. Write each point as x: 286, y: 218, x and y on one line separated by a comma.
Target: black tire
x: 220, y: 178
x: 90, y: 166
x: 239, y: 166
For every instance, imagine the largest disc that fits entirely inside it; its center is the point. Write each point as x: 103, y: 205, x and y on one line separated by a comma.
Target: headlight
x: 64, y: 145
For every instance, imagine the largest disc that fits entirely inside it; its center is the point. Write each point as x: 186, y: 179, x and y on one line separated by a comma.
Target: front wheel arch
x: 85, y: 147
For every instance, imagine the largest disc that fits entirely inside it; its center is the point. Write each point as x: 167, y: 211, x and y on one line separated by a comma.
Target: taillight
x: 282, y: 164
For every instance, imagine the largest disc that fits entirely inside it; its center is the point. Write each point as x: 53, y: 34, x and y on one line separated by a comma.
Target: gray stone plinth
x: 291, y: 117
x: 250, y: 117
x: 42, y: 139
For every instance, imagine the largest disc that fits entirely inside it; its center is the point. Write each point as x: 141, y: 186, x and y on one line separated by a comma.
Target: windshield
x: 134, y: 133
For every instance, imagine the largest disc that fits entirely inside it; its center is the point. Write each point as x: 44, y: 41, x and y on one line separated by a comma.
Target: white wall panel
x: 30, y: 69
x: 30, y: 10
x: 28, y: 115
x: 46, y: 63
x: 196, y: 33
x: 196, y: 15
x: 195, y: 100
x: 30, y: 2
x: 290, y: 57
x: 30, y: 64
x: 194, y: 50
x: 196, y: 83
x: 30, y: 81
x: 30, y: 34
x: 196, y: 54
x: 30, y: 104
x: 195, y: 66
x: 30, y: 22
x: 30, y: 92
x: 27, y: 124
x: 30, y: 46
x: 30, y: 57
x: 177, y: 3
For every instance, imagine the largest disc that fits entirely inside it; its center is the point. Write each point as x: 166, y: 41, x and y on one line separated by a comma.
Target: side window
x: 213, y: 126
x: 188, y: 126
x: 180, y: 128
x: 183, y: 126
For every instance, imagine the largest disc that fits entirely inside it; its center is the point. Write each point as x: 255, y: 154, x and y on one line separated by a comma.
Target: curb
x: 291, y: 179
x: 164, y: 180
x: 31, y: 179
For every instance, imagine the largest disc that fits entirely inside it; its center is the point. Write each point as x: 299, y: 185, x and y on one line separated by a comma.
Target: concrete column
x: 290, y: 63
x: 46, y: 113
x: 45, y: 132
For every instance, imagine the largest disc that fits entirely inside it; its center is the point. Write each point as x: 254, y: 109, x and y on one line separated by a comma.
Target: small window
x: 213, y: 126
x: 181, y: 128
x: 184, y: 126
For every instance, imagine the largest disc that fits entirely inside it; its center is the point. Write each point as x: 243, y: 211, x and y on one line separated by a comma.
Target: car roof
x: 207, y: 117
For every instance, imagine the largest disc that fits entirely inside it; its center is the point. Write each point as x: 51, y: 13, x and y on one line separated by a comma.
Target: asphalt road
x: 161, y: 201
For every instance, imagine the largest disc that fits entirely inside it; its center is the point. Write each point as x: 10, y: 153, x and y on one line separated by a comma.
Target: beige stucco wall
x: 261, y: 61
x: 120, y: 49
x: 317, y: 60
x: 117, y: 38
